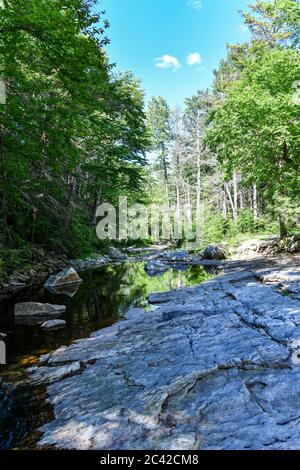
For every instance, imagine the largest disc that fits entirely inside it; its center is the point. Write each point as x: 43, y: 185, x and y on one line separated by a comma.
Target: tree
x: 256, y: 128
x: 195, y: 116
x: 275, y: 22
x: 158, y: 117
x: 71, y: 131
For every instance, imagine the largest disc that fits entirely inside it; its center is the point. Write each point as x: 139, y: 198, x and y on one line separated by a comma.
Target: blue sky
x: 173, y: 46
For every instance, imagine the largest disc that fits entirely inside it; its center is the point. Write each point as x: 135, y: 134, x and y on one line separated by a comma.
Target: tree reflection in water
x: 101, y: 300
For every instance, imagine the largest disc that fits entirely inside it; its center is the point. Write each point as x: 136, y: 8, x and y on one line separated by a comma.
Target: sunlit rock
x: 114, y: 253
x: 65, y: 277
x: 178, y: 256
x: 54, y: 324
x: 214, y: 252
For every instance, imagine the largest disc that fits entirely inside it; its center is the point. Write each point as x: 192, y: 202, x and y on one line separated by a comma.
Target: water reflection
x: 102, y: 299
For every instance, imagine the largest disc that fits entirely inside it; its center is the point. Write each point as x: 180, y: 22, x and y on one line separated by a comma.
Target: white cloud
x: 167, y: 62
x: 194, y: 58
x: 196, y: 4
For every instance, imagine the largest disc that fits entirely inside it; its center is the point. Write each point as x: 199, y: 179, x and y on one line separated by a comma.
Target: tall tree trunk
x: 178, y: 224
x: 235, y: 195
x: 234, y: 213
x: 97, y: 202
x: 4, y: 180
x: 224, y: 204
x: 187, y: 198
x: 254, y: 203
x: 282, y: 226
x: 166, y: 181
x: 198, y: 189
x: 282, y: 218
x: 241, y: 200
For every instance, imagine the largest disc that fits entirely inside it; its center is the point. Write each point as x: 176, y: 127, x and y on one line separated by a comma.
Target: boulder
x: 65, y: 277
x: 38, y: 309
x: 53, y: 324
x: 176, y: 256
x: 214, y: 252
x: 156, y: 266
x: 294, y: 244
x: 114, y: 253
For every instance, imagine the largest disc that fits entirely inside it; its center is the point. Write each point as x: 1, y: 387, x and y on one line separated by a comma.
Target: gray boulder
x: 38, y: 309
x: 156, y: 267
x: 65, y: 277
x: 114, y: 253
x: 214, y: 252
x: 176, y: 256
x: 53, y: 324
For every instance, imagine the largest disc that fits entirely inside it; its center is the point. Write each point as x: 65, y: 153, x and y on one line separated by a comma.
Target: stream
x: 103, y: 298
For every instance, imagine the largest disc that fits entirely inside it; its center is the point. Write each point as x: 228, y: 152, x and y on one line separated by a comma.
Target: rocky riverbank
x: 39, y: 272
x: 211, y: 367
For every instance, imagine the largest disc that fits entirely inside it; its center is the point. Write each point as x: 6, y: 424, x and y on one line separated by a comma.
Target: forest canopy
x: 72, y: 131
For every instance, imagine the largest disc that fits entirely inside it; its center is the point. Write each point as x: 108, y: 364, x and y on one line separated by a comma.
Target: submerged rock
x: 214, y: 252
x: 54, y: 324
x: 65, y: 277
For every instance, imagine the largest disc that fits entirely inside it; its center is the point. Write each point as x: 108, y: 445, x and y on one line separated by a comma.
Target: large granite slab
x: 211, y: 367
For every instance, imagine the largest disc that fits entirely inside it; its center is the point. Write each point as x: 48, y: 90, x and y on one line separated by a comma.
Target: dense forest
x: 234, y: 150
x: 74, y: 133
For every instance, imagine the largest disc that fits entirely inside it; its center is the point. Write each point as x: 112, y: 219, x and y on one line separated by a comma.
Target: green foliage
x: 254, y: 126
x: 72, y: 133
x: 275, y: 22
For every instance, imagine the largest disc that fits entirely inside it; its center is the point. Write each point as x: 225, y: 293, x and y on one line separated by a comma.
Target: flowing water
x: 102, y: 299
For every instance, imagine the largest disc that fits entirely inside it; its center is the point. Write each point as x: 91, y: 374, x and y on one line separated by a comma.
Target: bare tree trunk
x: 255, y: 206
x: 225, y: 211
x: 234, y: 213
x: 198, y: 189
x: 282, y: 218
x: 166, y: 181
x: 241, y: 200
x: 235, y: 194
x: 187, y: 198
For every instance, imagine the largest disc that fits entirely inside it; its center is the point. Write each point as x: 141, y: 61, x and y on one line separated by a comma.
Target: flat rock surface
x: 211, y: 367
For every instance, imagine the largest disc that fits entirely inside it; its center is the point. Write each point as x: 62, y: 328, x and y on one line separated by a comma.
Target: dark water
x: 102, y: 299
